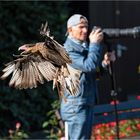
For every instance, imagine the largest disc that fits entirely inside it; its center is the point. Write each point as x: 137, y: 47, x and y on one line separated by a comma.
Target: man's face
x: 79, y: 31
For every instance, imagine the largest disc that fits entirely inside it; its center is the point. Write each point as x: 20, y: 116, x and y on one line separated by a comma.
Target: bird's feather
x: 41, y: 61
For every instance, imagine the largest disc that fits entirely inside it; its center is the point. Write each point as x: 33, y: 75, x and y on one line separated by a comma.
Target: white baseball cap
x: 75, y: 19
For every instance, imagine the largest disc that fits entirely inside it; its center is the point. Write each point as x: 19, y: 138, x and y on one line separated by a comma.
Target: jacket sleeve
x: 89, y: 62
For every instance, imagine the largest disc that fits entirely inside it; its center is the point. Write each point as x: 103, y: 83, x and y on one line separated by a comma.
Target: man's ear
x: 69, y: 30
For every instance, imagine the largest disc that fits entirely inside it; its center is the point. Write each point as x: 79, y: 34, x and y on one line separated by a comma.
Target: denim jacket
x: 86, y: 59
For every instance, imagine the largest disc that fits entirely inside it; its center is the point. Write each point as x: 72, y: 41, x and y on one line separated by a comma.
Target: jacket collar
x: 76, y: 44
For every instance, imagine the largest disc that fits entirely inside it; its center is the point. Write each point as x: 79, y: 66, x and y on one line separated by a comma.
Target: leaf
x: 45, y: 124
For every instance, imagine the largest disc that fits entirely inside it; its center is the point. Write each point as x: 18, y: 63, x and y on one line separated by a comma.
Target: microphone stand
x: 113, y: 92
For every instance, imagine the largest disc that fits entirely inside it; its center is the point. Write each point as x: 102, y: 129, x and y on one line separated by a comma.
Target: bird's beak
x: 23, y: 48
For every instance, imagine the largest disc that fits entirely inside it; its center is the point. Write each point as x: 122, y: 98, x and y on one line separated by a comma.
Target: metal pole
x: 113, y: 92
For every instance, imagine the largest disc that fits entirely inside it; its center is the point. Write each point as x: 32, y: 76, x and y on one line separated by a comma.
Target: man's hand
x: 96, y: 36
x: 108, y: 57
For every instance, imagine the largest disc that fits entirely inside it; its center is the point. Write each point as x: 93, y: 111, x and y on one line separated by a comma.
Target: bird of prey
x: 41, y: 61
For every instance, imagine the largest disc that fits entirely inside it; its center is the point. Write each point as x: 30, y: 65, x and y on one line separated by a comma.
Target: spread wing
x: 43, y: 61
x: 28, y: 70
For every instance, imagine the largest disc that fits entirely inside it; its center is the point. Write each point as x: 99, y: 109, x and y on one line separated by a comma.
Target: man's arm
x: 89, y: 62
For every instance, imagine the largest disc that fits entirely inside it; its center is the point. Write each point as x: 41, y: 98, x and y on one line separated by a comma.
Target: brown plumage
x: 43, y: 61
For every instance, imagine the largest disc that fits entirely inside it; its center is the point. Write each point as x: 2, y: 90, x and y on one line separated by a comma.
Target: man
x: 77, y: 112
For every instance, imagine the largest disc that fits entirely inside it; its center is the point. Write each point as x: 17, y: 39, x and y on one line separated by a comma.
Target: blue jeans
x: 79, y: 119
